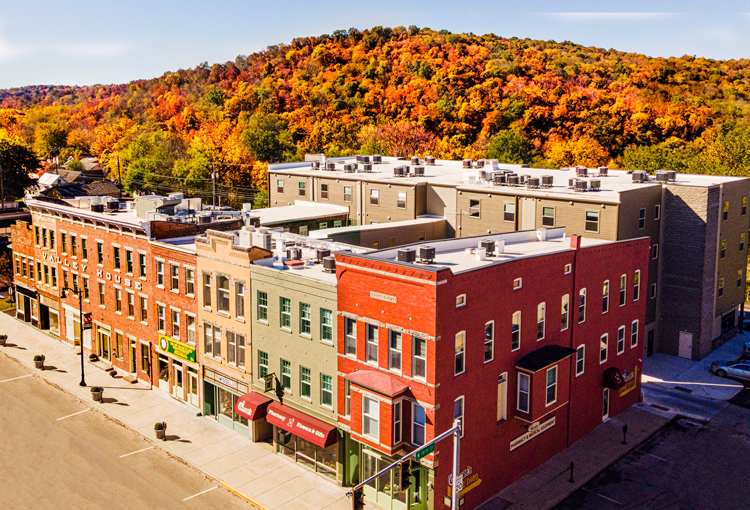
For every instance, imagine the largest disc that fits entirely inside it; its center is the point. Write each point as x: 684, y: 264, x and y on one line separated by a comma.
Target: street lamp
x: 80, y: 315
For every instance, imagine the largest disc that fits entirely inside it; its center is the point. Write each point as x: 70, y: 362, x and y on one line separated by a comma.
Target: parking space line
x: 652, y: 455
x: 13, y: 379
x: 605, y: 497
x: 139, y: 451
x: 205, y: 491
x: 79, y: 412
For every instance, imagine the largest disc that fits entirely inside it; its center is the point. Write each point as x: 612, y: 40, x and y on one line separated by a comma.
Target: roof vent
x: 97, y: 208
x: 377, y: 159
x: 671, y: 175
x: 329, y: 264
x: 547, y: 181
x: 398, y: 171
x: 488, y: 245
x: 419, y: 170
x: 294, y: 253
x: 429, y: 160
x: 427, y: 254
x: 321, y: 254
x: 350, y: 167
x: 662, y: 176
x: 364, y: 159
x: 572, y: 183
x: 407, y: 255
x: 524, y: 178
x: 479, y: 163
x: 330, y: 165
x: 315, y: 165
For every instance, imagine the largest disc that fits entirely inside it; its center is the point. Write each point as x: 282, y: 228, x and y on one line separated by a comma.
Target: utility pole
x: 119, y: 176
x: 213, y: 178
x: 2, y: 188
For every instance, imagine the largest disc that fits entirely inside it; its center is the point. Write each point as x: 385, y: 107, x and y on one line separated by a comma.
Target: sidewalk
x: 268, y: 480
x: 549, y: 484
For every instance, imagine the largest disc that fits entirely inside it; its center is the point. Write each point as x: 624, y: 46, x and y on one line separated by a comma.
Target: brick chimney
x: 575, y: 242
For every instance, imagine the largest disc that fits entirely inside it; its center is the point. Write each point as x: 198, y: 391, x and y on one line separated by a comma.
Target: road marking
x: 205, y: 491
x: 139, y: 451
x: 652, y: 455
x: 21, y: 377
x: 605, y: 497
x: 79, y: 412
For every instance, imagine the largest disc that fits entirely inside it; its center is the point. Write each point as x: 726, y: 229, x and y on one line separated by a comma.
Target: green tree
x: 261, y: 200
x: 269, y: 139
x: 16, y: 160
x: 672, y: 154
x: 50, y: 139
x: 149, y: 162
x: 510, y: 146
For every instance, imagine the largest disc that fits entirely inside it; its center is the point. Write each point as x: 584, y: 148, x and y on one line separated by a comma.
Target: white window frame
x: 518, y: 283
x: 582, y: 306
x: 326, y: 326
x: 565, y: 312
x: 175, y: 318
x: 398, y: 415
x: 324, y: 391
x: 623, y: 290
x: 350, y: 340
x: 461, y: 415
x: 620, y: 340
x: 415, y: 424
x: 239, y: 300
x: 222, y: 295
x: 502, y: 397
x: 541, y: 310
x: 515, y: 320
x: 489, y: 342
x: 372, y: 334
x: 605, y: 297
x: 161, y: 318
x: 371, y: 417
x: 653, y: 291
x: 189, y: 282
x: 634, y: 333
x: 655, y: 252
x: 637, y: 285
x: 190, y: 322
x: 160, y: 273
x: 395, y: 350
x: 460, y: 353
x: 527, y: 378
x: 581, y: 351
x: 657, y: 212
x: 174, y: 278
x: 552, y: 385
x: 305, y: 384
x: 641, y: 219
x: 305, y: 319
x: 422, y: 358
x: 460, y: 300
x: 603, y: 348
x: 568, y: 268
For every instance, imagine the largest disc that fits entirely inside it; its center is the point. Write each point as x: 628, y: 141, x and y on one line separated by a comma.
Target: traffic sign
x: 424, y: 451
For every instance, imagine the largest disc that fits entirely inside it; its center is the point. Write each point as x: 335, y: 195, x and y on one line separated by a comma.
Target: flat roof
x: 127, y: 218
x: 460, y: 254
x: 300, y: 210
x: 422, y: 220
x: 452, y: 173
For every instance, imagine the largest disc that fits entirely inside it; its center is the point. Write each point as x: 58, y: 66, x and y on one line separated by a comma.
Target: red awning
x: 613, y: 379
x: 299, y: 424
x: 252, y: 406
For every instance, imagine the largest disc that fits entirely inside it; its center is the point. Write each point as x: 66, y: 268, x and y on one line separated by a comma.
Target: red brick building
x: 531, y: 347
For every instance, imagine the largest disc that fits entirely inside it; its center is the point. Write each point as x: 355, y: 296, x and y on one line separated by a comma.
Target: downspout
x: 575, y: 244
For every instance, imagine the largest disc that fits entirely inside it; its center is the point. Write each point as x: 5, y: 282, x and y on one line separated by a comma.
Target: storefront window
x: 225, y: 403
x: 238, y: 417
x: 327, y: 460
x: 287, y: 443
x: 306, y: 452
x: 163, y: 369
x: 54, y: 322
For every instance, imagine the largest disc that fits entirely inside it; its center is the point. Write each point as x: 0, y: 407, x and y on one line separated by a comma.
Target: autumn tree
x: 269, y: 139
x: 17, y: 160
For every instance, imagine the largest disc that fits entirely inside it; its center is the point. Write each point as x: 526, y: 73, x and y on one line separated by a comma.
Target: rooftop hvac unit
x: 467, y: 163
x: 349, y: 168
x: 429, y: 160
x: 603, y: 171
x: 415, y: 160
x: 331, y: 165
x: 315, y: 165
x: 547, y: 181
x: 294, y: 253
x: 377, y: 159
x: 662, y: 176
x: 97, y: 208
x: 365, y: 159
x: 113, y: 205
x: 572, y: 183
x: 595, y: 184
x: 321, y: 254
x: 499, y: 179
x: 398, y: 171
x: 671, y: 175
x: 419, y: 170
x: 532, y: 182
x: 427, y: 254
x: 524, y: 178
x: 581, y: 185
x: 203, y: 219
x: 489, y: 246
x: 479, y: 163
x: 406, y: 169
x: 367, y: 167
x: 407, y: 255
x: 582, y: 171
x: 512, y: 179
x: 329, y: 264
x: 640, y: 176
x: 359, y: 158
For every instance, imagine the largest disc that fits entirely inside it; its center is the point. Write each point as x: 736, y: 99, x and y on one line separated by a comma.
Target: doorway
x: 384, y: 490
x: 177, y: 387
x: 103, y: 340
x: 686, y: 345
x: 131, y: 354
x: 163, y: 373
x: 193, y: 387
x: 605, y: 406
x: 650, y: 343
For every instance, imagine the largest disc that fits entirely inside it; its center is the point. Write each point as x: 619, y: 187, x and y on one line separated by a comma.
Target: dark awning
x: 252, y: 406
x: 544, y: 357
x: 613, y: 379
x: 378, y: 381
x: 26, y: 292
x: 299, y: 424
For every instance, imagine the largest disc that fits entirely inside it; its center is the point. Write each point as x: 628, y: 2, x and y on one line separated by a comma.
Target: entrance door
x: 132, y: 355
x: 225, y: 414
x: 418, y: 491
x: 686, y: 345
x: 650, y: 343
x: 70, y: 325
x: 605, y: 407
x: 103, y: 343
x: 163, y: 373
x: 192, y: 386
x: 383, y: 491
x: 26, y: 309
x: 177, y: 388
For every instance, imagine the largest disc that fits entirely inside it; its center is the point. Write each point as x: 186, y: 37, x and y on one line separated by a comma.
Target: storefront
x: 178, y: 373
x: 49, y: 315
x: 307, y: 440
x: 221, y: 394
x: 27, y: 305
x: 253, y: 406
x: 73, y: 325
x: 384, y: 490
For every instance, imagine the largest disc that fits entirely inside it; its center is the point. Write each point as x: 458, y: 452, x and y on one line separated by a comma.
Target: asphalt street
x: 59, y: 452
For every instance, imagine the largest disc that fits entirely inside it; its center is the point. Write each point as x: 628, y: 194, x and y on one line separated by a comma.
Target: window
x: 653, y: 290
x: 174, y: 272
x: 128, y: 261
x: 605, y: 297
x: 551, y: 386
x: 189, y: 282
x: 372, y: 343
x: 394, y: 350
x: 739, y: 278
x: 460, y: 300
x: 347, y: 193
x: 634, y: 334
x: 326, y: 390
x: 280, y: 186
x: 458, y: 412
x: 564, y: 312
x: 39, y: 271
x: 374, y: 196
x: 502, y: 397
x: 131, y: 305
x: 460, y: 364
x: 262, y: 306
x: 637, y: 285
x: 206, y: 290
x: 350, y: 337
x: 419, y: 358
x: 222, y: 293
x: 324, y: 191
x: 336, y: 223
x: 396, y: 423
x: 326, y: 325
x: 721, y: 287
x: 142, y: 265
x: 603, y: 344
x: 302, y: 189
x: 655, y: 251
x: 657, y: 212
x: 592, y: 221
x: 726, y: 210
x: 580, y: 353
x: 621, y: 340
x: 75, y: 284
x: 145, y: 365
x: 286, y: 313
x: 208, y: 339
x: 160, y: 318
x: 548, y: 216
x: 541, y: 312
x: 474, y: 208
x: 44, y: 237
x: 36, y: 233
x: 744, y: 206
x: 116, y: 257
x: 85, y: 280
x: 84, y: 248
x: 159, y: 273
x: 64, y: 242
x: 515, y: 335
x: 568, y: 268
x: 303, y: 228
x: 286, y: 374
x: 262, y: 364
x: 642, y: 218
x: 347, y: 398
x: 522, y: 399
x: 517, y: 283
x: 239, y: 300
x: 509, y: 212
x: 489, y: 341
x: 401, y: 200
x: 240, y: 349
x: 144, y: 308
x: 582, y: 306
x: 305, y: 319
x: 118, y: 300
x: 99, y: 253
x: 370, y: 417
x: 175, y: 324
x: 118, y: 345
x: 723, y: 250
x: 101, y: 294
x: 418, y: 422
x: 305, y: 382
x: 623, y: 289
x: 742, y: 242
x: 190, y: 327
x: 51, y: 239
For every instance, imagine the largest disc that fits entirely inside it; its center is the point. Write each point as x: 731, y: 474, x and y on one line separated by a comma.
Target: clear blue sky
x: 76, y: 42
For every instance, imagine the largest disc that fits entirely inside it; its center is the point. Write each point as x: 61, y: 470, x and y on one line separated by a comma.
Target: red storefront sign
x: 299, y: 424
x: 252, y: 406
x: 613, y: 379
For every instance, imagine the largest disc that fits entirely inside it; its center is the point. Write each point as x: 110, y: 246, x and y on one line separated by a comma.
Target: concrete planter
x: 160, y: 433
x: 97, y: 395
x: 3, y: 339
x: 39, y: 361
x: 160, y: 428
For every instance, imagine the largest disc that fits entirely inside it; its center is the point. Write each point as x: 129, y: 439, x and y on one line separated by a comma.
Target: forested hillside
x: 397, y: 92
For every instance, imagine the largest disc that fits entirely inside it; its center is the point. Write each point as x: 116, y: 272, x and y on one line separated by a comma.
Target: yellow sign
x: 469, y: 483
x: 179, y: 350
x: 632, y: 379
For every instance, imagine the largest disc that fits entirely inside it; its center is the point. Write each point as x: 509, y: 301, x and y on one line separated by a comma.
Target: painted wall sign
x: 534, y: 430
x: 119, y: 279
x: 226, y: 381
x: 382, y: 297
x: 177, y: 349
x: 630, y: 381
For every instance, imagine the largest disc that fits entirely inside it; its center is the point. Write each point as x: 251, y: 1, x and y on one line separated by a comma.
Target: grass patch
x: 7, y: 304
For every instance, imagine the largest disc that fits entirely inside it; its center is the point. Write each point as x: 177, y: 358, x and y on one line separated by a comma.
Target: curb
x: 147, y: 438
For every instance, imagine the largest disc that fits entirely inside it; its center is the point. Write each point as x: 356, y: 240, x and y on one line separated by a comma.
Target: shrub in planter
x: 96, y: 393
x: 161, y: 429
x: 39, y: 361
x: 93, y: 357
x: 113, y: 373
x: 3, y: 339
